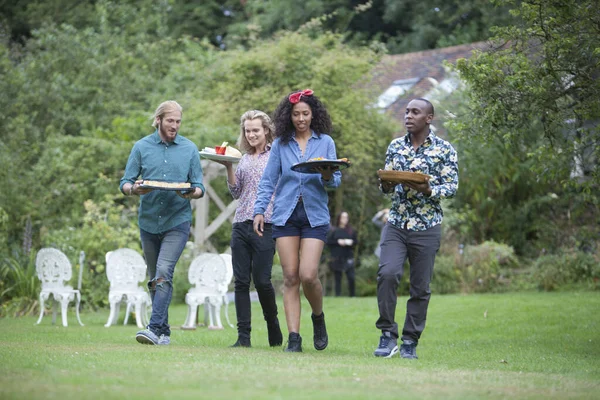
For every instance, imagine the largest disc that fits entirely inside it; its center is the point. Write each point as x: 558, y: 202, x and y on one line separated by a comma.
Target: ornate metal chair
x: 125, y: 268
x: 210, y: 277
x: 54, y: 270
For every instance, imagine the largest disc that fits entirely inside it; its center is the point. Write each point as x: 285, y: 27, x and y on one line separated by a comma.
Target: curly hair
x: 284, y: 128
x: 267, y: 125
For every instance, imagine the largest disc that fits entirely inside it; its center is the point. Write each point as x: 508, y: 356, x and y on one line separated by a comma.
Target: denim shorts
x: 298, y: 225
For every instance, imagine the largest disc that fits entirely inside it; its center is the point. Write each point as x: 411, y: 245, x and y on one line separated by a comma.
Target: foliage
x: 19, y: 285
x: 531, y: 105
x: 401, y: 25
x: 541, y: 82
x: 560, y: 271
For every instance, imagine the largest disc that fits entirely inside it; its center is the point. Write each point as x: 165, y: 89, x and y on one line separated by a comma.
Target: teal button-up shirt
x: 153, y: 159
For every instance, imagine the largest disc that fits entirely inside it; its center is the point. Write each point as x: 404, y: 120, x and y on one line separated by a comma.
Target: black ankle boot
x: 320, y: 338
x: 242, y: 341
x: 294, y: 343
x: 274, y: 332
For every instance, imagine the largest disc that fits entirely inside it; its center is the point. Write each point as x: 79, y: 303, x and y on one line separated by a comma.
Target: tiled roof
x: 426, y: 67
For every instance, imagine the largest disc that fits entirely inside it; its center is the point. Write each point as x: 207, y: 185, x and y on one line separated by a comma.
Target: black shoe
x: 320, y: 337
x: 388, y: 346
x: 294, y: 343
x: 408, y: 349
x: 274, y: 332
x: 242, y: 342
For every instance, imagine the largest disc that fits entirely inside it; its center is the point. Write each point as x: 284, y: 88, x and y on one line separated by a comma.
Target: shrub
x: 556, y: 271
x: 446, y: 277
x: 19, y: 285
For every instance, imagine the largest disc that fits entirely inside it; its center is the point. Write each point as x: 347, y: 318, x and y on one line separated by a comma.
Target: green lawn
x: 517, y: 345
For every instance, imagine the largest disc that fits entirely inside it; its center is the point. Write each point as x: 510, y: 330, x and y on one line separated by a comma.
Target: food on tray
x: 232, y: 152
x: 223, y: 150
x: 326, y: 159
x: 403, y: 176
x: 167, y: 185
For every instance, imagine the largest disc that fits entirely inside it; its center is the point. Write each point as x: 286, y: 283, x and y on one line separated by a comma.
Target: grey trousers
x: 420, y: 247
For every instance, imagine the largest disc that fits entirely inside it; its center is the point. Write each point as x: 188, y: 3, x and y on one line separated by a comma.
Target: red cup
x: 220, y: 150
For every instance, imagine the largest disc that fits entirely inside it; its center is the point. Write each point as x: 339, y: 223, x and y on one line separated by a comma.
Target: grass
x: 518, y: 345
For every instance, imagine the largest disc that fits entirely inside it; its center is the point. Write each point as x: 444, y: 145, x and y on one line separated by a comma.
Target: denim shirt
x: 153, y: 159
x: 289, y: 185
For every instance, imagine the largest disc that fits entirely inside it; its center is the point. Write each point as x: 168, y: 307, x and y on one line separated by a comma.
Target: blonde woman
x: 252, y: 255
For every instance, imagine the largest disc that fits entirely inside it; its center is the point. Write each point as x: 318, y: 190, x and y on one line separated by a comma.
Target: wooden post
x: 203, y: 230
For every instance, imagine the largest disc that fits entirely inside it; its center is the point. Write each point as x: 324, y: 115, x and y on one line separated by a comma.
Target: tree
x: 537, y: 94
x: 403, y: 26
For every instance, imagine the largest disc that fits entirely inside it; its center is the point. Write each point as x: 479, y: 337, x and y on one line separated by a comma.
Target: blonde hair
x: 164, y: 108
x: 267, y: 125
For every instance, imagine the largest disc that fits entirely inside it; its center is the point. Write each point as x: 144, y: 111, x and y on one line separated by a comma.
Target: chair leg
x: 145, y: 318
x: 77, y: 301
x: 217, y: 311
x: 64, y: 304
x: 207, y: 314
x: 117, y: 312
x: 138, y: 315
x: 111, y: 317
x: 226, y: 301
x: 190, y: 320
x: 127, y: 312
x: 41, y: 309
x: 211, y: 314
x: 54, y: 308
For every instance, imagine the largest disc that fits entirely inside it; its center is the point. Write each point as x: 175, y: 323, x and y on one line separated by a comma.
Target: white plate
x: 219, y: 157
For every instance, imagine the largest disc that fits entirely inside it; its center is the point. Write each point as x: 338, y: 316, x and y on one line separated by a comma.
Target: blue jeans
x: 162, y: 251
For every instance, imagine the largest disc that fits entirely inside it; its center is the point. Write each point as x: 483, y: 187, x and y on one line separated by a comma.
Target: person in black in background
x: 341, y: 241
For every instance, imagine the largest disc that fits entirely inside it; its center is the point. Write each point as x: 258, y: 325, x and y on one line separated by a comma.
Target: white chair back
x: 125, y: 269
x: 53, y: 268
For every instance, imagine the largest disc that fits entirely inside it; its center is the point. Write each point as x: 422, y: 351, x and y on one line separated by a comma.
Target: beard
x: 165, y: 134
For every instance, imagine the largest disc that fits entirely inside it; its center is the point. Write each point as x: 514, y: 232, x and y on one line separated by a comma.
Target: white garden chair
x: 54, y: 270
x: 210, y: 277
x: 125, y: 269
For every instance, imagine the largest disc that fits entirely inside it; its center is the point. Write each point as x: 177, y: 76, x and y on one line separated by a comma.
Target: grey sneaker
x: 164, y: 340
x: 408, y: 349
x: 146, y: 336
x: 388, y: 346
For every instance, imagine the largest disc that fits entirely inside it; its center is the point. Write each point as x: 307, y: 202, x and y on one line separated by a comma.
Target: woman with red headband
x: 300, y: 214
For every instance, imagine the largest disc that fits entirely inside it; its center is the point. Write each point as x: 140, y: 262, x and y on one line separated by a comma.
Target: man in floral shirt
x: 413, y: 229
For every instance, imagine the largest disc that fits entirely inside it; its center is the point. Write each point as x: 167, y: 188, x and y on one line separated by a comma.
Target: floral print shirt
x: 247, y: 176
x: 436, y: 157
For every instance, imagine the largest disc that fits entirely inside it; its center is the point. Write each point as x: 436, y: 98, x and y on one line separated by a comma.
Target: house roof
x: 402, y: 77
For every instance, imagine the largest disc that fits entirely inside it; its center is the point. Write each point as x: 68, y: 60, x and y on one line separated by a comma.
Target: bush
x: 446, y: 277
x: 19, y: 285
x: 366, y: 277
x: 556, y: 271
